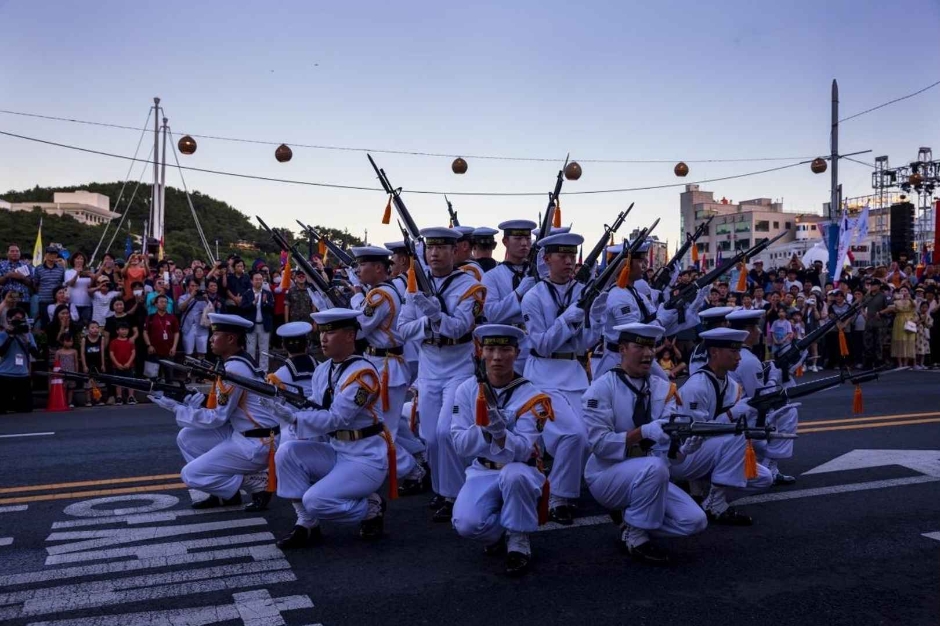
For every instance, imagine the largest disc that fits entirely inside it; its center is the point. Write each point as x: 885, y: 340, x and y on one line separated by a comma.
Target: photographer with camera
x: 16, y: 346
x: 194, y: 320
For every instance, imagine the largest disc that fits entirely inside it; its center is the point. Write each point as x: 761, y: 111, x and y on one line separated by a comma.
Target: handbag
x: 910, y: 326
x: 204, y: 320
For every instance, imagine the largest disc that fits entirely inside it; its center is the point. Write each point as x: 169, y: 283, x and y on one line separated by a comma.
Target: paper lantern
x: 459, y: 166
x: 187, y: 144
x: 681, y: 169
x: 283, y: 154
x: 818, y: 165
x: 573, y: 171
x: 915, y: 179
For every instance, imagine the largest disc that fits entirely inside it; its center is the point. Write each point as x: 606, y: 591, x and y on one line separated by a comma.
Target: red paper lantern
x: 187, y: 144
x: 681, y: 169
x: 459, y: 166
x: 283, y: 154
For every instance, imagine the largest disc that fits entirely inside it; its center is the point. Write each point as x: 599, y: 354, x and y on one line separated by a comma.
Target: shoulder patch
x: 455, y: 410
x: 592, y: 403
x: 362, y: 396
x: 526, y: 317
x: 368, y: 311
x: 625, y: 309
x: 477, y: 308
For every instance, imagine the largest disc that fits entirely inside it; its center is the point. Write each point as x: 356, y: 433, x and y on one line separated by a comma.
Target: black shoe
x: 301, y: 537
x: 730, y: 518
x: 409, y: 487
x: 562, y: 514
x: 443, y: 514
x: 517, y: 563
x: 259, y: 502
x: 648, y: 553
x: 213, y: 502
x: 784, y: 479
x: 616, y: 517
x: 496, y: 549
x: 436, y: 502
x: 374, y: 527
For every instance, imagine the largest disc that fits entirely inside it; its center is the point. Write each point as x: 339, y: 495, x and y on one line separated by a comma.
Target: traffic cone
x: 56, y: 401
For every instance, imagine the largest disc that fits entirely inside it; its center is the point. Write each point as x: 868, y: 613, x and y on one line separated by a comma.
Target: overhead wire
x: 130, y: 202
x: 889, y: 102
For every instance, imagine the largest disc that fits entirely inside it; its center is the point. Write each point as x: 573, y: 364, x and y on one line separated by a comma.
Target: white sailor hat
x: 364, y: 254
x: 642, y: 334
x: 498, y: 335
x: 742, y: 318
x: 558, y: 230
x: 226, y: 323
x: 396, y: 247
x: 715, y: 315
x: 294, y: 329
x: 562, y: 242
x: 724, y: 338
x: 335, y: 319
x: 517, y: 228
x: 440, y: 236
x: 465, y: 232
x: 484, y: 234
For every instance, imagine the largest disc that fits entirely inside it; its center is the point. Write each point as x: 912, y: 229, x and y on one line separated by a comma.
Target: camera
x: 201, y: 293
x: 19, y: 327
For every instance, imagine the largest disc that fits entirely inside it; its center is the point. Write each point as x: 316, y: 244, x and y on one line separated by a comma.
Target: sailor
x: 463, y: 253
x: 753, y: 376
x: 559, y: 337
x: 399, y: 261
x: 443, y: 322
x: 624, y: 410
x: 712, y: 395
x: 297, y: 371
x: 540, y: 261
x: 483, y: 242
x: 228, y: 444
x: 338, y: 479
x: 710, y: 318
x: 499, y: 502
x: 380, y: 302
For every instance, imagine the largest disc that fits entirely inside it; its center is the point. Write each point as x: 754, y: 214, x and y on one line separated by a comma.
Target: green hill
x: 181, y: 240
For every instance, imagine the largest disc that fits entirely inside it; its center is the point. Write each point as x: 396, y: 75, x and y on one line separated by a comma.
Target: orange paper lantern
x: 681, y: 169
x: 573, y: 171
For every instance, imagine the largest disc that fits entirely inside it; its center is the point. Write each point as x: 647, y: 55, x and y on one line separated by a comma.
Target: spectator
x: 48, y: 277
x: 669, y: 358
x: 236, y: 284
x: 92, y: 355
x: 757, y: 275
x: 17, y: 344
x: 781, y: 333
x: 922, y: 343
x: 16, y: 275
x: 258, y: 307
x: 162, y: 332
x: 875, y: 325
x: 66, y: 356
x: 109, y: 270
x: 857, y: 335
x: 193, y: 324
x: 135, y: 272
x: 792, y: 280
x: 78, y: 282
x: 117, y: 317
x: 61, y: 297
x: 812, y: 320
x: 159, y: 289
x: 136, y: 310
x: 904, y: 329
x: 177, y: 283
x: 101, y: 297
x: 814, y: 274
x: 10, y: 301
x: 123, y: 355
x: 758, y: 300
x: 62, y: 324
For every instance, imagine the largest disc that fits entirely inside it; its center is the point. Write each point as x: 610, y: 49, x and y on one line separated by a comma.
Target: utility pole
x: 155, y: 195
x: 834, y: 203
x: 162, y: 221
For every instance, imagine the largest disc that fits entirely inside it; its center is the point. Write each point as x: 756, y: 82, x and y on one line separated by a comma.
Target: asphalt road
x: 848, y: 546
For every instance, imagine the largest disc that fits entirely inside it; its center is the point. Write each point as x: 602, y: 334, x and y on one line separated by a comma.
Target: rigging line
x: 408, y: 152
x: 127, y: 209
x: 871, y: 165
x: 189, y: 200
x: 413, y: 191
x: 883, y: 105
x: 127, y: 177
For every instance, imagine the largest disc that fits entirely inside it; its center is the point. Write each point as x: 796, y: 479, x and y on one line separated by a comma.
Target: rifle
x: 290, y: 393
x: 177, y: 391
x: 409, y: 229
x: 336, y: 297
x: 680, y: 431
x: 687, y: 294
x: 661, y: 277
x: 453, y: 214
x: 792, y: 355
x: 584, y: 274
x: 600, y: 284
x: 335, y: 250
x: 545, y: 226
x: 767, y: 402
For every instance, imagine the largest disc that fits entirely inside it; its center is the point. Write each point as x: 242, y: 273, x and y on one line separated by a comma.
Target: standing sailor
x: 463, y: 253
x: 338, y: 479
x: 559, y: 337
x: 443, y: 322
x: 711, y: 318
x: 297, y: 371
x: 624, y: 410
x: 712, y: 395
x: 230, y: 443
x: 483, y: 242
x: 499, y: 501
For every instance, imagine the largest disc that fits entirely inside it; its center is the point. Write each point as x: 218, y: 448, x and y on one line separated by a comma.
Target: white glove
x: 320, y: 301
x: 353, y: 278
x: 654, y: 431
x: 194, y: 400
x: 599, y: 309
x: 429, y: 307
x: 527, y: 283
x: 700, y: 299
x: 497, y: 426
x: 282, y: 412
x: 775, y: 377
x: 742, y: 408
x: 573, y: 315
x: 674, y: 274
x: 665, y: 317
x: 164, y: 402
x: 692, y: 444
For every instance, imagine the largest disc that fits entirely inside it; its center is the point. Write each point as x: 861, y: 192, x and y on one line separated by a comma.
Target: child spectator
x: 67, y: 357
x: 922, y: 341
x: 123, y: 355
x: 92, y: 354
x: 669, y: 358
x: 781, y: 332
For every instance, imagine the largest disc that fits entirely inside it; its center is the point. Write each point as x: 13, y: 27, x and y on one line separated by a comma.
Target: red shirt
x: 162, y: 330
x: 121, y: 350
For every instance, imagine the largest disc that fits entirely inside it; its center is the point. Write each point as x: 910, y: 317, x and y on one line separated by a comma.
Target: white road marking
x: 932, y: 536
x: 26, y: 435
x: 824, y: 491
x: 593, y: 520
x: 13, y: 508
x: 146, y: 518
x: 150, y: 551
x: 924, y: 461
x: 6, y: 541
x: 156, y: 502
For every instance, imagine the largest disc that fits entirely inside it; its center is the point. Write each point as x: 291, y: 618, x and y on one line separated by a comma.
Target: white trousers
x: 195, y: 340
x: 491, y: 502
x: 722, y: 458
x: 258, y: 342
x: 392, y: 418
x: 435, y: 407
x: 217, y: 459
x: 785, y: 420
x: 405, y: 437
x: 566, y: 440
x: 641, y: 489
x: 332, y: 486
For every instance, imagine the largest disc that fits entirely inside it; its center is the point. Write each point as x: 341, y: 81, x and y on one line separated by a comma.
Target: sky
x: 670, y: 80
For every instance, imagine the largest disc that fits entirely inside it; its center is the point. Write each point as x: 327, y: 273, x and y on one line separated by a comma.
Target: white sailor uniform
x: 297, y: 372
x: 506, y: 285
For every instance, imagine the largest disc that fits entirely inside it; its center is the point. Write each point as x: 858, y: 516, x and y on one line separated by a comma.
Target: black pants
x: 17, y: 393
x: 874, y: 345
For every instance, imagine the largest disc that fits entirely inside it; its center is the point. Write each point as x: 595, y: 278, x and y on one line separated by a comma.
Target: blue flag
x: 128, y: 247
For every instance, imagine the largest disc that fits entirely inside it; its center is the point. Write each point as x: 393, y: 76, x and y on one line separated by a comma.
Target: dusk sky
x: 602, y: 80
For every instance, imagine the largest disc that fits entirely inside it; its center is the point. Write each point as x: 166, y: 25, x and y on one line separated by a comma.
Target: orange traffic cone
x: 56, y: 400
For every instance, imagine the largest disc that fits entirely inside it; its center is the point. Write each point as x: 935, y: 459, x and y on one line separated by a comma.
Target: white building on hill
x: 85, y: 206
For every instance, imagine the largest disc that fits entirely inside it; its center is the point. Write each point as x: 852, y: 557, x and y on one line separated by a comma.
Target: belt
x: 561, y: 356
x: 385, y: 351
x: 356, y: 435
x: 493, y: 465
x: 261, y: 433
x: 447, y: 341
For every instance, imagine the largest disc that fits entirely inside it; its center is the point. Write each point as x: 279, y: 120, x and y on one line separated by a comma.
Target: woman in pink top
x: 136, y: 271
